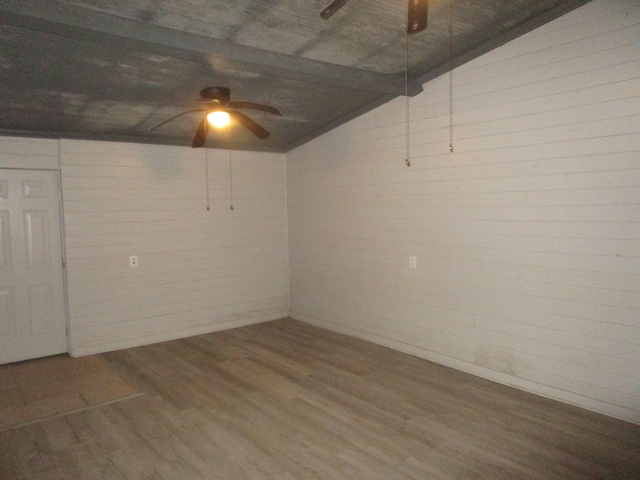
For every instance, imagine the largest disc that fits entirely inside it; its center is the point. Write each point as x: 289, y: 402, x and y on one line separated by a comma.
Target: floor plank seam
x: 71, y: 412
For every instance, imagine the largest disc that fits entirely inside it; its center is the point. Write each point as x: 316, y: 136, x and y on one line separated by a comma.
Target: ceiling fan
x: 417, y: 13
x: 219, y: 110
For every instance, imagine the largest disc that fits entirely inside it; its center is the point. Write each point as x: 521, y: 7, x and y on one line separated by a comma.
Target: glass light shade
x: 218, y: 119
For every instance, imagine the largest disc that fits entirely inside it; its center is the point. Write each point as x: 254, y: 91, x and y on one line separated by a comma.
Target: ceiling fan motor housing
x: 221, y: 94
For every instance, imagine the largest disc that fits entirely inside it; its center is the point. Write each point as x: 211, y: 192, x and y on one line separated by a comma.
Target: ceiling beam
x: 81, y: 23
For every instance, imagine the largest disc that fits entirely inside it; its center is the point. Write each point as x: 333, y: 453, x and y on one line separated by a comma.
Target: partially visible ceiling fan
x: 417, y: 13
x: 218, y: 100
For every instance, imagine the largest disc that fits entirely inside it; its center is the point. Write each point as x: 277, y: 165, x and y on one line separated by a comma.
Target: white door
x: 32, y: 320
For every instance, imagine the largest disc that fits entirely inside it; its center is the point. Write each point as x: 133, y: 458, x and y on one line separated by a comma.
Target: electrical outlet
x: 133, y: 261
x: 413, y: 261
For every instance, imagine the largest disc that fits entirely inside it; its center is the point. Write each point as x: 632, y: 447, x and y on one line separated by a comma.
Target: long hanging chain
x: 450, y: 80
x: 407, y: 160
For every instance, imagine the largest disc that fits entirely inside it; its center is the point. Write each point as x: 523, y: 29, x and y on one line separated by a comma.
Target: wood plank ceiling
x: 111, y: 69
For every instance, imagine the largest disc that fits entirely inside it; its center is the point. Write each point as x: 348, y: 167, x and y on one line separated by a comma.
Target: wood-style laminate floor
x: 34, y: 390
x: 284, y: 400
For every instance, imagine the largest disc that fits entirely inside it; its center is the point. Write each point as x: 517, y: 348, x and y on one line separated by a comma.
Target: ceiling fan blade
x: 174, y: 117
x: 417, y: 15
x: 332, y: 8
x: 255, y: 106
x: 250, y: 124
x: 201, y: 133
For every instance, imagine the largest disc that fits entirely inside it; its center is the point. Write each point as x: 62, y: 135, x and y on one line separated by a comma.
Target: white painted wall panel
x: 527, y: 236
x: 199, y: 270
x: 28, y: 153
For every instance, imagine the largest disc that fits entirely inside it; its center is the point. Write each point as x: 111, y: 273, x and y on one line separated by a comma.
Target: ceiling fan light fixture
x: 218, y: 118
x: 218, y: 112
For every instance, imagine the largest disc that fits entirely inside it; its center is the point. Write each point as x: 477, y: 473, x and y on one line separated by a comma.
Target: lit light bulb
x: 218, y: 119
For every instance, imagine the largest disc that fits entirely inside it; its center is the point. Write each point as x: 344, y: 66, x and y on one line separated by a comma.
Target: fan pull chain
x: 450, y: 80
x: 230, y: 170
x: 206, y: 173
x: 407, y: 160
x: 230, y: 183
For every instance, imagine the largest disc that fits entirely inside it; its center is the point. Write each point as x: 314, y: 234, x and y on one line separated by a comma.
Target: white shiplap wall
x: 199, y: 270
x: 527, y: 237
x: 28, y: 153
